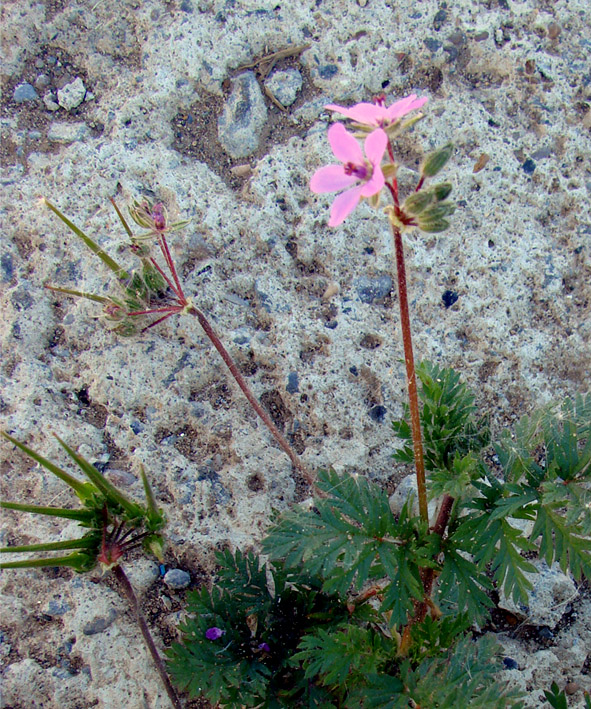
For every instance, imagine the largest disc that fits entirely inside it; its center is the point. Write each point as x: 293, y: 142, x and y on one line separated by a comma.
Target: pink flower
x: 364, y: 177
x: 377, y: 114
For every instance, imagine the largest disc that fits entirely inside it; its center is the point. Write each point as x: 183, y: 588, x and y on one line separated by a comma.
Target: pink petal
x: 344, y: 146
x: 374, y: 185
x: 331, y: 178
x: 368, y: 113
x: 343, y: 205
x: 375, y: 146
x: 405, y: 105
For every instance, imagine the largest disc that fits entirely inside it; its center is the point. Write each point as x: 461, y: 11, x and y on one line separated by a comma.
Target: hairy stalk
x: 132, y: 598
x: 411, y: 377
x: 229, y: 362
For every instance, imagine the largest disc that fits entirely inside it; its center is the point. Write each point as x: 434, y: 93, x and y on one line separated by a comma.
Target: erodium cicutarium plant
x: 354, y: 605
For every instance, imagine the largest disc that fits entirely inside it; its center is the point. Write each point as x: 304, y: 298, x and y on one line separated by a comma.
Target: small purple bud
x: 214, y: 633
x: 264, y: 647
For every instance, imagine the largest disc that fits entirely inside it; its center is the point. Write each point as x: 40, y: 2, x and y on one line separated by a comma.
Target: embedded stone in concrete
x: 243, y: 117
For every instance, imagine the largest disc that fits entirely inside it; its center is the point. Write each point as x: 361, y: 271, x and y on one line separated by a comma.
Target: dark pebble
x: 377, y: 413
x: 449, y: 297
x: 510, y: 663
x: 293, y: 384
x: 452, y: 52
x: 545, y: 633
x: 354, y: 371
x: 529, y: 166
x: 331, y: 324
x: 7, y: 267
x: 99, y: 624
x: 371, y: 289
x: 432, y: 44
x: 439, y: 19
x: 327, y: 71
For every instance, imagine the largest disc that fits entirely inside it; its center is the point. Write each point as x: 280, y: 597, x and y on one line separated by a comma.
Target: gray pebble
x: 243, y: 117
x: 284, y: 85
x: 176, y: 578
x: 100, y: 623
x: 67, y: 132
x: 50, y: 103
x: 72, y: 94
x: 25, y: 92
x: 42, y: 81
x: 371, y: 289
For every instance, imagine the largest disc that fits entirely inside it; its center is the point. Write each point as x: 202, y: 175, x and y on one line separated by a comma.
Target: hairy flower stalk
x: 411, y: 377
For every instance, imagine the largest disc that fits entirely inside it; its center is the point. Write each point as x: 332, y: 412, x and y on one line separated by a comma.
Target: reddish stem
x: 420, y: 183
x: 166, y: 278
x: 166, y: 253
x: 410, y: 374
x: 129, y: 593
x: 229, y: 362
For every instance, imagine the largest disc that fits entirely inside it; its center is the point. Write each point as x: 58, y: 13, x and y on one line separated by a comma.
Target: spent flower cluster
x: 355, y: 606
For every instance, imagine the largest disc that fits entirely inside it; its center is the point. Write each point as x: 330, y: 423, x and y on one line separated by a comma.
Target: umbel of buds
x: 150, y: 290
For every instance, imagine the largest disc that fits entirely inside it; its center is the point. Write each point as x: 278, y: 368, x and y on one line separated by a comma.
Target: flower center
x: 361, y: 172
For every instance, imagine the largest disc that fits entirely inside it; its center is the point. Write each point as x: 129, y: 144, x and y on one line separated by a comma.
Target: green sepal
x: 121, y: 273
x: 436, y: 161
x: 83, y: 516
x: 78, y: 293
x: 155, y: 517
x: 87, y: 542
x: 77, y: 561
x: 112, y: 494
x: 82, y: 489
x: 122, y: 218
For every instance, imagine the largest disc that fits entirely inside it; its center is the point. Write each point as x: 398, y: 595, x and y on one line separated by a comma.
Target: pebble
x: 25, y: 92
x: 50, y: 103
x: 42, y: 81
x: 370, y: 289
x: 67, y: 132
x: 439, y: 19
x: 99, y: 624
x: 529, y: 166
x: 176, y: 578
x: 377, y: 413
x: 548, y: 599
x: 293, y: 384
x: 285, y: 85
x: 243, y: 117
x: 327, y: 71
x: 71, y: 95
x: 554, y: 30
x: 449, y: 297
x: 432, y: 44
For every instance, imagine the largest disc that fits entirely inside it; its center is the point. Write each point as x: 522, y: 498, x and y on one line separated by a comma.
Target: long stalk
x: 229, y: 362
x: 411, y: 376
x: 129, y: 593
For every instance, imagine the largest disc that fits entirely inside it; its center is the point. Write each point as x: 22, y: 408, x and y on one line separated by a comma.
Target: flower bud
x: 433, y: 225
x: 439, y: 211
x: 436, y: 160
x: 441, y: 191
x: 417, y: 202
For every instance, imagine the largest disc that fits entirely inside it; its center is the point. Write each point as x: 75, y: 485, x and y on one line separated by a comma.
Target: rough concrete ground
x: 308, y: 312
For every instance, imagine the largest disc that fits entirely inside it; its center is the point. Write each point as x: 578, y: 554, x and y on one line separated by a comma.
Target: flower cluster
x: 362, y: 175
